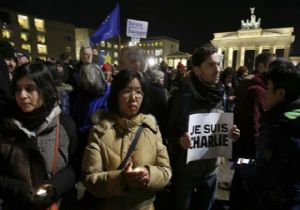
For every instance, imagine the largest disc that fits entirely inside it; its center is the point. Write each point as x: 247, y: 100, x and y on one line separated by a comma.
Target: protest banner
x: 137, y: 28
x: 209, y: 134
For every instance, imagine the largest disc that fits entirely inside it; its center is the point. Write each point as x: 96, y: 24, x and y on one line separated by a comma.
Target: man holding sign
x: 197, y: 133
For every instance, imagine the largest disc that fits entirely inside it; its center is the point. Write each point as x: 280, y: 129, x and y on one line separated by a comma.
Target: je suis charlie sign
x: 209, y: 133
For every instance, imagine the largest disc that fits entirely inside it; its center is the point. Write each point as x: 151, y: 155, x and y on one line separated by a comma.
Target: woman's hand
x: 234, y: 133
x: 185, y: 141
x: 136, y: 178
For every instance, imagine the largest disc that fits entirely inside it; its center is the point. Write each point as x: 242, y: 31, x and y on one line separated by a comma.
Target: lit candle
x: 137, y: 169
x: 42, y: 192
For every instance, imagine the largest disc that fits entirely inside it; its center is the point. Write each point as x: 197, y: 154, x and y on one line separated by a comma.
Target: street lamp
x: 151, y: 61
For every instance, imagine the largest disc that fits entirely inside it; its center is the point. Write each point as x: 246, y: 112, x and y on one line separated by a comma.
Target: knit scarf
x: 213, y: 94
x: 32, y: 120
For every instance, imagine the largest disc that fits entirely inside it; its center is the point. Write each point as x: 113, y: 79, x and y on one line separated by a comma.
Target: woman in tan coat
x: 148, y: 168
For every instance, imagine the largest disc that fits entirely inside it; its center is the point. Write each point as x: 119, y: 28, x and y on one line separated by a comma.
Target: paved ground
x: 222, y: 198
x: 224, y: 176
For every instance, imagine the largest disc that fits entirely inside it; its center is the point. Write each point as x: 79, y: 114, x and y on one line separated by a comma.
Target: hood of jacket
x: 260, y: 79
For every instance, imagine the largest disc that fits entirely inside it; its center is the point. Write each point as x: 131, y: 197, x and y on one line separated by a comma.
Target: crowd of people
x: 88, y: 136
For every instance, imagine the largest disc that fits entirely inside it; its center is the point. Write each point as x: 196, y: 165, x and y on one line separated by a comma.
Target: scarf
x: 213, y: 94
x: 124, y: 125
x: 32, y: 120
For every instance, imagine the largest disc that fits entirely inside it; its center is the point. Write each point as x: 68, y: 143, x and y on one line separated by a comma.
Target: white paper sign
x: 209, y: 134
x: 137, y: 28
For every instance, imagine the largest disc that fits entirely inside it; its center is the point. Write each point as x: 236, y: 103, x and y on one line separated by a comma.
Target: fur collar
x: 104, y: 120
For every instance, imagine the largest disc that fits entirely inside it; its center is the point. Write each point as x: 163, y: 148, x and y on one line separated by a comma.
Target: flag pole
x: 119, y: 30
x: 119, y: 45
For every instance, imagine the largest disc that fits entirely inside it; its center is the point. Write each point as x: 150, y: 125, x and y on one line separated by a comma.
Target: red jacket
x: 250, y: 104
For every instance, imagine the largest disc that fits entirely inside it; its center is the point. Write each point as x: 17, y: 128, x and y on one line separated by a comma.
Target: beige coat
x: 107, y: 147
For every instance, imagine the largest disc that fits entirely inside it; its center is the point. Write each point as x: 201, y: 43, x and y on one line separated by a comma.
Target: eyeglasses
x: 127, y: 93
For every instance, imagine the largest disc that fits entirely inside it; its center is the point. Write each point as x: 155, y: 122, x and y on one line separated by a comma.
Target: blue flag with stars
x: 109, y: 28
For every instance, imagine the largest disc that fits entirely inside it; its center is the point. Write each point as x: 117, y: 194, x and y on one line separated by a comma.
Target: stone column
x: 229, y: 57
x: 225, y: 57
x: 286, y: 52
x: 258, y: 51
x: 273, y: 49
x: 220, y: 52
x: 241, y: 56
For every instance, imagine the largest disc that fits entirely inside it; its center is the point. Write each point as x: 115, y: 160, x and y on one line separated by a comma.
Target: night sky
x: 191, y: 22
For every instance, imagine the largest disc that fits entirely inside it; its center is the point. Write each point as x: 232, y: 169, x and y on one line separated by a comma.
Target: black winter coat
x: 26, y: 161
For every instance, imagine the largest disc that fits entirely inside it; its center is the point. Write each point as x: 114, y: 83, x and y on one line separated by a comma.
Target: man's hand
x: 234, y: 133
x: 185, y: 141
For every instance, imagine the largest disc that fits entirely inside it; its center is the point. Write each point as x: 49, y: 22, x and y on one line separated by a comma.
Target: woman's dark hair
x: 40, y: 75
x: 120, y: 81
x: 227, y: 71
x: 241, y: 71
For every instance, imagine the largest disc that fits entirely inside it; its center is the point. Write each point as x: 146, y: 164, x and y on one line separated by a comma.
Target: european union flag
x: 109, y: 28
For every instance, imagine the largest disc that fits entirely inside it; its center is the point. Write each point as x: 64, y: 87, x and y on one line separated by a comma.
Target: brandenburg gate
x: 240, y: 48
